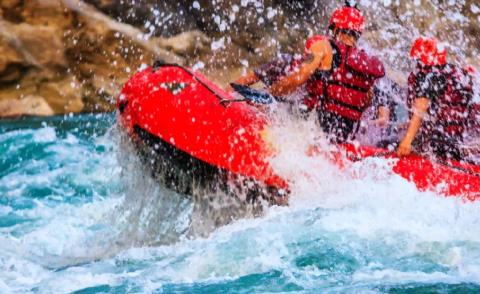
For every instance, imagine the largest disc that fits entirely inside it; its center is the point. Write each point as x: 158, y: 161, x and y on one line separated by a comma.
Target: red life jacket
x: 344, y: 89
x: 448, y: 114
x: 475, y: 115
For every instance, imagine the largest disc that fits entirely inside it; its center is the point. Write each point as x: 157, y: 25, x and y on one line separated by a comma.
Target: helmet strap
x: 351, y: 3
x: 331, y: 30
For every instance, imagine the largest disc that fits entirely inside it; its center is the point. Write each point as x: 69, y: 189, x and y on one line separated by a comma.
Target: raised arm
x: 320, y: 51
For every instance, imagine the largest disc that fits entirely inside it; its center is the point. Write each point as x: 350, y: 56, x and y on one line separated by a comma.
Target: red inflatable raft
x: 196, y: 136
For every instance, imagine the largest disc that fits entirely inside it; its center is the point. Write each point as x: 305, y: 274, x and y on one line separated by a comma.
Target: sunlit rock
x: 30, y: 105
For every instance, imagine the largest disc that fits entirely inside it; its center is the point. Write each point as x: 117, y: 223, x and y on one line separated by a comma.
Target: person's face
x: 347, y: 39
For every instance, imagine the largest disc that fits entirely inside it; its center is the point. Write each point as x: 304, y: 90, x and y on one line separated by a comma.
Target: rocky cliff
x: 63, y: 56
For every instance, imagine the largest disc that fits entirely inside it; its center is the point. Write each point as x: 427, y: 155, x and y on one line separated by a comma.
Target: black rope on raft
x: 161, y: 63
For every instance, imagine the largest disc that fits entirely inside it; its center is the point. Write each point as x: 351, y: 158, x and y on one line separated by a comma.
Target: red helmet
x: 348, y: 18
x: 470, y: 69
x: 429, y: 52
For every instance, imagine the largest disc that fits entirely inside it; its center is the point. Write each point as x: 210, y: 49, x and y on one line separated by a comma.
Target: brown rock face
x: 33, y: 64
x: 11, y: 63
x: 30, y: 105
x: 63, y: 95
x: 68, y: 55
x: 39, y: 45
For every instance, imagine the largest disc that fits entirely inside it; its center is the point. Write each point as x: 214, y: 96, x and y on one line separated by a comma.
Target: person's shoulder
x: 365, y: 62
x: 317, y: 40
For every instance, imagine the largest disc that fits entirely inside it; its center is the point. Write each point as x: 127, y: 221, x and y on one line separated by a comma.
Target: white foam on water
x: 43, y: 135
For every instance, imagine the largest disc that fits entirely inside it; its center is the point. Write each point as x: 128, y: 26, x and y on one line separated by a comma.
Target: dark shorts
x: 337, y: 128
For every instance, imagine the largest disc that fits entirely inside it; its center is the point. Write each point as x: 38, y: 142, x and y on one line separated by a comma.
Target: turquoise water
x: 79, y: 214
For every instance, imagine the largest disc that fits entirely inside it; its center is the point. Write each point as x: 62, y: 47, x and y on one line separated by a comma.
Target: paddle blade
x: 253, y: 95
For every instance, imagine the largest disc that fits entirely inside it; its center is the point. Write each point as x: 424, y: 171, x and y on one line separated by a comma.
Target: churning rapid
x: 77, y: 212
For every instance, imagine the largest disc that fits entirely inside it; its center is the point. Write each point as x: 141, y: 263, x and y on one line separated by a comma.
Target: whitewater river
x: 78, y: 215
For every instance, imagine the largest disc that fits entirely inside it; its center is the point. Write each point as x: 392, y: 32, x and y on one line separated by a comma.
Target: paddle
x: 251, y: 95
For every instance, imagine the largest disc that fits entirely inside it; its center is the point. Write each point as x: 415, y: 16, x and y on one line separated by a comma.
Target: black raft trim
x: 181, y: 172
x: 122, y: 106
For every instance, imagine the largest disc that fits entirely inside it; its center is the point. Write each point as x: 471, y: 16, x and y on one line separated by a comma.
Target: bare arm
x: 290, y: 83
x: 420, y: 108
x: 383, y: 115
